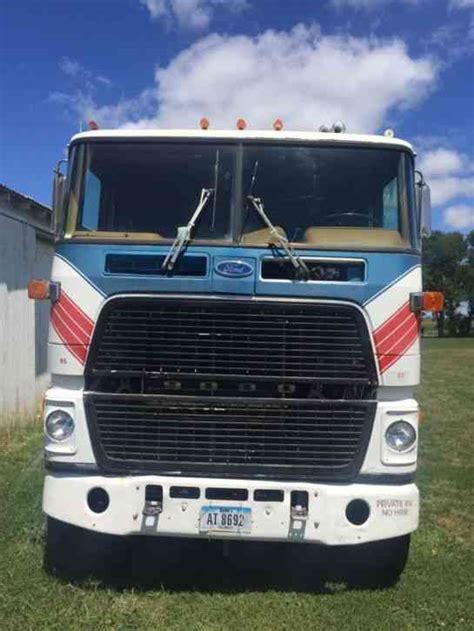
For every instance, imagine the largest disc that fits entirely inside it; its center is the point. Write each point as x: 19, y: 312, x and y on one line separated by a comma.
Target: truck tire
x: 75, y: 553
x: 377, y: 564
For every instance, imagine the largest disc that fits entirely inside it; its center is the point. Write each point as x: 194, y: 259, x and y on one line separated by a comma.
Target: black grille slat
x: 305, y: 437
x: 232, y: 337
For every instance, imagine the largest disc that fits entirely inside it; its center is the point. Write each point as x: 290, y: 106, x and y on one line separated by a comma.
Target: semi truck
x: 234, y: 340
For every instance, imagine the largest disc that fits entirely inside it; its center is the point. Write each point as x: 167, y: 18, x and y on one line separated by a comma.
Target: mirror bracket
x: 58, y: 195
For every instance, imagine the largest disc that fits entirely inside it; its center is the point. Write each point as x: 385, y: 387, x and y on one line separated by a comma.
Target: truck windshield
x: 316, y: 196
x: 328, y: 196
x: 148, y: 189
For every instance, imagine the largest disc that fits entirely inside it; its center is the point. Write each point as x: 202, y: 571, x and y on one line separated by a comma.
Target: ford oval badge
x: 234, y: 269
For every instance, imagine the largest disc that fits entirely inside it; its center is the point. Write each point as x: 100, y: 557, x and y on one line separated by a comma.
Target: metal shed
x: 26, y: 252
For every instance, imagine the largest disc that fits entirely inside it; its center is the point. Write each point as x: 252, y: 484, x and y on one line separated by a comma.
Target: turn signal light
x: 427, y: 301
x: 43, y: 290
x: 433, y: 301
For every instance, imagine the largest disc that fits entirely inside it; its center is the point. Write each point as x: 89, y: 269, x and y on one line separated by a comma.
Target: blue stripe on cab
x: 383, y: 268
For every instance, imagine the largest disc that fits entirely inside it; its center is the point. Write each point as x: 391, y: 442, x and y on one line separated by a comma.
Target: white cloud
x: 460, y: 217
x: 82, y: 105
x: 449, y: 174
x: 190, y: 14
x: 300, y: 75
x: 70, y: 66
x: 81, y: 74
x: 461, y: 4
x: 442, y: 162
x: 370, y: 5
x: 446, y: 189
x: 157, y: 8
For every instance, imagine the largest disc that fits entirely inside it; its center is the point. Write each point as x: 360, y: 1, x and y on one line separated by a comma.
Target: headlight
x: 400, y: 436
x: 59, y: 425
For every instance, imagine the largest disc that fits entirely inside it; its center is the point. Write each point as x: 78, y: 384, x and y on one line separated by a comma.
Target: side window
x: 390, y: 205
x: 91, y: 202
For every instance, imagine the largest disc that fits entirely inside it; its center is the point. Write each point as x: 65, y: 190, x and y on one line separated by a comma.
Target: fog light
x: 59, y: 425
x: 400, y: 436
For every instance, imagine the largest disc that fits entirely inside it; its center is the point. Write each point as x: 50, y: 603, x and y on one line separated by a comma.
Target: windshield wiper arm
x: 184, y: 233
x: 297, y: 262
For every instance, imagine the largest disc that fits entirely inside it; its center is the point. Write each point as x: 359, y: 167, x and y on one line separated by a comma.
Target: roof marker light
x: 93, y: 125
x: 204, y: 123
x: 323, y: 128
x: 278, y: 124
x: 241, y: 124
x: 389, y: 133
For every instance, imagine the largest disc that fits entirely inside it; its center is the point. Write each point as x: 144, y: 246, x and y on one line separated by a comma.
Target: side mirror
x: 423, y: 204
x: 59, y: 188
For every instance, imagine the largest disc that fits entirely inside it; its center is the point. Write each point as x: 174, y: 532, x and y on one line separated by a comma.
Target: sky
x: 403, y: 64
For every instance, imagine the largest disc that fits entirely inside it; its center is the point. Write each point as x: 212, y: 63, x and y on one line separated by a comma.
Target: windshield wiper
x: 184, y: 233
x: 297, y: 262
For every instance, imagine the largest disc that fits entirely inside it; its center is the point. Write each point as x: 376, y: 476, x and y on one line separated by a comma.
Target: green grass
x: 434, y: 592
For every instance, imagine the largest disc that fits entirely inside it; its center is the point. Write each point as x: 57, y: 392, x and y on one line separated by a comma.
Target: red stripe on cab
x: 395, y: 336
x: 73, y: 326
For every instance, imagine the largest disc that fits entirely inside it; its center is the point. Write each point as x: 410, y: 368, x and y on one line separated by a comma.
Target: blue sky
x: 407, y: 64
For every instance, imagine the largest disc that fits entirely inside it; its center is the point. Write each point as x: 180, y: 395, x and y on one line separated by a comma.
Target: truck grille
x: 230, y: 387
x: 237, y: 338
x: 225, y: 437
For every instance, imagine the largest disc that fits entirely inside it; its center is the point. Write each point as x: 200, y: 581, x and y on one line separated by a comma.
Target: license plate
x: 225, y: 519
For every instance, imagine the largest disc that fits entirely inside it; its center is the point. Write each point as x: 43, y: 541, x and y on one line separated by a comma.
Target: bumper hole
x: 268, y: 495
x: 357, y: 512
x: 98, y: 500
x: 227, y: 494
x: 185, y: 492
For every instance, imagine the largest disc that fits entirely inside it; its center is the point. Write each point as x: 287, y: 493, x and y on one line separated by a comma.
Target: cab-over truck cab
x: 234, y: 340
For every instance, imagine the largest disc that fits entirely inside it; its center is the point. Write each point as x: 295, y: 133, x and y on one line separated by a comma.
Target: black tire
x: 75, y: 553
x: 378, y: 564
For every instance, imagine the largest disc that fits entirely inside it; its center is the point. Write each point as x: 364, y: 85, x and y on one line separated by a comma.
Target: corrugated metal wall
x: 25, y: 253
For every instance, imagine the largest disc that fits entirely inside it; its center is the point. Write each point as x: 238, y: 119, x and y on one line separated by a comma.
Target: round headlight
x: 59, y: 425
x: 400, y: 436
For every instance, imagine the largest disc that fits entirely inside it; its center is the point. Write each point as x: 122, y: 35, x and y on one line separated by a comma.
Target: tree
x: 447, y: 268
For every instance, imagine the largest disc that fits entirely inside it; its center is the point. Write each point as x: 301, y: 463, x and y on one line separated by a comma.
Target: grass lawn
x: 435, y: 590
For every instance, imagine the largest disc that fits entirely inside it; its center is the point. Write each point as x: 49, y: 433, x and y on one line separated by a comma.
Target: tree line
x: 448, y: 266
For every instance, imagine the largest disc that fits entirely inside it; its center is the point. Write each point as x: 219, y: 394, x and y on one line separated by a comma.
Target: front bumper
x: 394, y: 509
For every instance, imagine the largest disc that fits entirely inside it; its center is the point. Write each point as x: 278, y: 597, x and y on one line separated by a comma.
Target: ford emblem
x: 234, y: 269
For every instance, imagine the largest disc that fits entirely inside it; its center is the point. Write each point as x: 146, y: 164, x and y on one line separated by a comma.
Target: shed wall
x: 25, y: 253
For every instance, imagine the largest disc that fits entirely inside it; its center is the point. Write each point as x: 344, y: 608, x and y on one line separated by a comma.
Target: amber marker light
x: 241, y: 124
x: 278, y: 124
x: 93, y: 126
x: 433, y: 301
x: 427, y: 301
x: 43, y: 290
x: 38, y: 289
x: 204, y: 123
